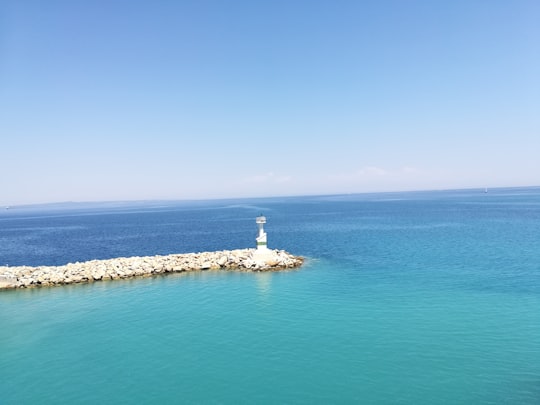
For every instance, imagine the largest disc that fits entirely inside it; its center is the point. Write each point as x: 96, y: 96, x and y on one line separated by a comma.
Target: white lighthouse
x: 261, y: 239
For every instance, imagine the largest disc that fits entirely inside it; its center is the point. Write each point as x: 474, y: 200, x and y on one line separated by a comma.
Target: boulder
x: 222, y: 261
x: 206, y: 266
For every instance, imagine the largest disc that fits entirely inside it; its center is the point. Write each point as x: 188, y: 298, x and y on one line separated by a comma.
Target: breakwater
x: 127, y: 267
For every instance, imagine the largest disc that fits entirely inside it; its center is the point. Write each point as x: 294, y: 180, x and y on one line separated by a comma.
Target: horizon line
x: 187, y: 200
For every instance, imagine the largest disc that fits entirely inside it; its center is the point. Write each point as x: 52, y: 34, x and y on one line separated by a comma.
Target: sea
x: 405, y: 298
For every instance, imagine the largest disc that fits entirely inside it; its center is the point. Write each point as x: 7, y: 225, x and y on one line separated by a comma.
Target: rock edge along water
x: 119, y: 268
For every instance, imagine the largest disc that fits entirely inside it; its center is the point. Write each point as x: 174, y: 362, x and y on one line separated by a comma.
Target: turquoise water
x: 405, y: 298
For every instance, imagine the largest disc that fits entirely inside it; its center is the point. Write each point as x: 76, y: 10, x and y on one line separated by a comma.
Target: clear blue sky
x: 130, y: 100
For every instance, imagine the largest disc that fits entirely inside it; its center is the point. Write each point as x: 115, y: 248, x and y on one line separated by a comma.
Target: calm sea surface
x: 406, y: 298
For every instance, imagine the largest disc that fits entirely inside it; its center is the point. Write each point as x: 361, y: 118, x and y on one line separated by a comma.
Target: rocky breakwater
x: 120, y: 268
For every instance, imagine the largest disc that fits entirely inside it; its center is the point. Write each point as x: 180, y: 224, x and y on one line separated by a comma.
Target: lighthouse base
x: 268, y: 259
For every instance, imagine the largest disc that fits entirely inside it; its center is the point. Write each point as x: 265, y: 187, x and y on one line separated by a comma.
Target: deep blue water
x: 406, y: 298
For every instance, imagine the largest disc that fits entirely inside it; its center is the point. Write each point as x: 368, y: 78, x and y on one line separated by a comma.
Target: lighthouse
x: 261, y: 238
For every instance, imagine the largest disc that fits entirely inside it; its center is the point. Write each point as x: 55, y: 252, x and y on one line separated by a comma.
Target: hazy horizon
x: 481, y: 190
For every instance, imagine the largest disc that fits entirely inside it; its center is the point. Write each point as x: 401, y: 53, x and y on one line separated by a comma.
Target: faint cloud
x: 266, y: 178
x: 410, y: 170
x: 370, y: 173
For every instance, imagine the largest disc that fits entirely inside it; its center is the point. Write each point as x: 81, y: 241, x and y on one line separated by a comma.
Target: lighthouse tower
x: 261, y: 239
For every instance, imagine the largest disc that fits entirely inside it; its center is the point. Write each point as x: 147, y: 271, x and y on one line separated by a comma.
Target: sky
x: 167, y: 100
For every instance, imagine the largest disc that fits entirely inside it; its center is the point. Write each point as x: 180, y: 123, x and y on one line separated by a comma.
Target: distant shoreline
x: 252, y: 260
x: 144, y: 202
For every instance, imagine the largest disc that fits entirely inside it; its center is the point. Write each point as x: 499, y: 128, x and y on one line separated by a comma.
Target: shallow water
x: 405, y: 298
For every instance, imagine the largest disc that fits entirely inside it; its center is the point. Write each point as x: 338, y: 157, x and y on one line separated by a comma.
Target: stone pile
x: 112, y: 269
